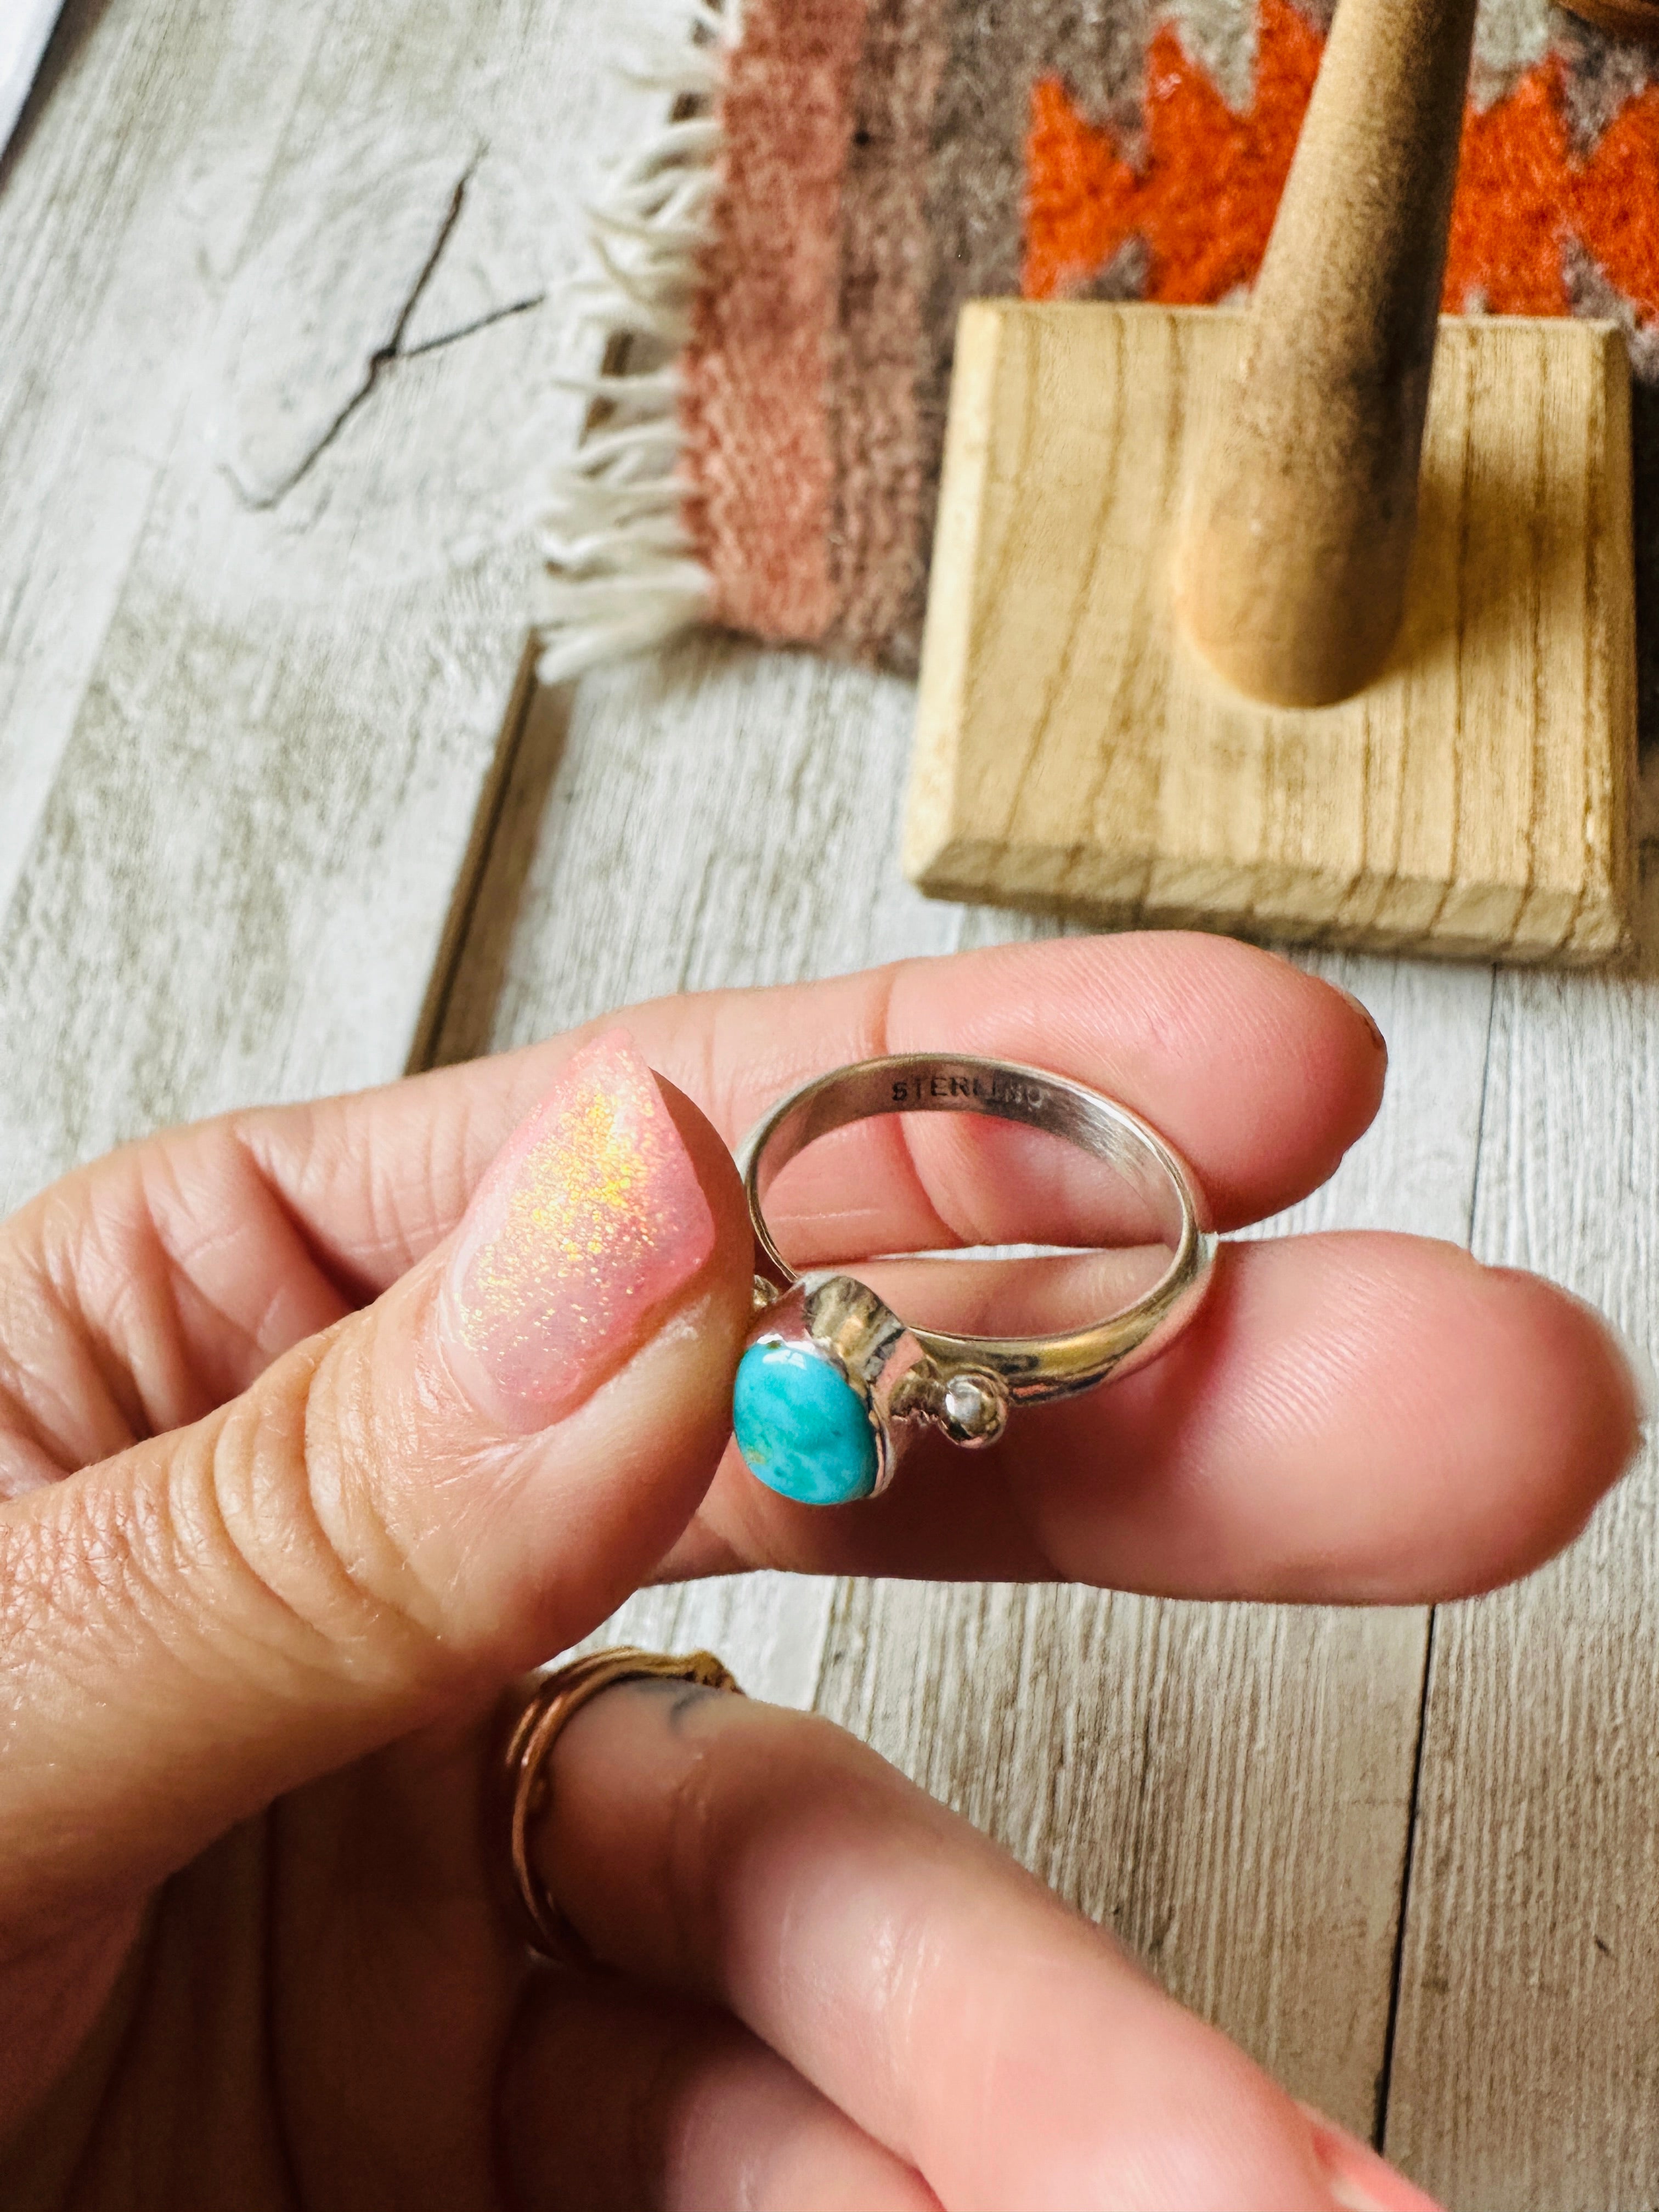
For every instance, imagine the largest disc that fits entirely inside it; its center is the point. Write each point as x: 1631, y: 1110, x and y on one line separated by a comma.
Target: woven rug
x: 790, y: 254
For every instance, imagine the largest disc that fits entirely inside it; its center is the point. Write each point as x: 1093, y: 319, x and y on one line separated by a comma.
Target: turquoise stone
x: 802, y: 1427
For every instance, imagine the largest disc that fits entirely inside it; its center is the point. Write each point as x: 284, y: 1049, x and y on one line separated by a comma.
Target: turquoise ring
x: 833, y: 1386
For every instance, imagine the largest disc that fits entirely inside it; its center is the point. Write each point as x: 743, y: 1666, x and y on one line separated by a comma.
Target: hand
x: 319, y: 1434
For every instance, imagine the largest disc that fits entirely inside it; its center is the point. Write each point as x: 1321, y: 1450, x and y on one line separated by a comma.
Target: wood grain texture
x: 261, y: 641
x: 769, y: 1629
x: 1074, y: 753
x: 123, y: 201
x: 1294, y: 553
x: 1228, y: 1786
x: 1192, y: 1776
x: 1526, y: 2066
x: 251, y: 717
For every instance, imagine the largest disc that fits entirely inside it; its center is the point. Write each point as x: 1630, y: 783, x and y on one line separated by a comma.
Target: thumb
x: 399, y: 1514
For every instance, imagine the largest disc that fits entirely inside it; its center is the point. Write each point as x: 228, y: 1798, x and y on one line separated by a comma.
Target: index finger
x: 1260, y: 1075
x: 145, y: 1289
x: 941, y: 1998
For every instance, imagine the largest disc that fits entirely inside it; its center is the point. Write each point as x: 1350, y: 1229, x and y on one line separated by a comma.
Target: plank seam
x: 458, y: 935
x: 1397, y: 1973
x: 387, y: 355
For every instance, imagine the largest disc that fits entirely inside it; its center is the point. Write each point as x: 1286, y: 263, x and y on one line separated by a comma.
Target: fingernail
x: 1359, y: 2181
x: 590, y: 1218
x: 1369, y: 1020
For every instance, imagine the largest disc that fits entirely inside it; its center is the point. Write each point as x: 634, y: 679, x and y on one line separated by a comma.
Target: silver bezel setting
x: 842, y: 1320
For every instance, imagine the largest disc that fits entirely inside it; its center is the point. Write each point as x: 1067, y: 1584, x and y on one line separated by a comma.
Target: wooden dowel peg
x: 1201, y: 651
x: 1292, y: 562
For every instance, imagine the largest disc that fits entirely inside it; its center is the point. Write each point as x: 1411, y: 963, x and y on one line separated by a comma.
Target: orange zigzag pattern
x: 1203, y: 199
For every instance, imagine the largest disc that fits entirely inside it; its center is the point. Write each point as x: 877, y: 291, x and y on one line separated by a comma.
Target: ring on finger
x: 553, y: 1701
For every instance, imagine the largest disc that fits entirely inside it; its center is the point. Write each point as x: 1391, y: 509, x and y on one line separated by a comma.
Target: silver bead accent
x: 971, y: 1409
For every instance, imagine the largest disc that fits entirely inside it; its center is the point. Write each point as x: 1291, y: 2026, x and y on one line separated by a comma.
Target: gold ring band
x: 555, y: 1698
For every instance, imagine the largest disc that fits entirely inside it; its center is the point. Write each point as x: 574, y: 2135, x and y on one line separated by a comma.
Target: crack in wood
x: 392, y: 352
x: 470, y: 330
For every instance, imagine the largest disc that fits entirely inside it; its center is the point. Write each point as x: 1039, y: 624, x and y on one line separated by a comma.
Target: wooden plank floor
x: 277, y: 814
x: 1230, y: 1786
x: 1526, y: 2066
x: 263, y: 613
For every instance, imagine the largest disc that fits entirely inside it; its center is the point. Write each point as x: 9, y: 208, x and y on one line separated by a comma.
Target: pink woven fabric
x: 884, y: 490
x: 760, y: 463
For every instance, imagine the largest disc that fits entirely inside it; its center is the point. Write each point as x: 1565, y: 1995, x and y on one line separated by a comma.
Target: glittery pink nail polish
x: 589, y: 1218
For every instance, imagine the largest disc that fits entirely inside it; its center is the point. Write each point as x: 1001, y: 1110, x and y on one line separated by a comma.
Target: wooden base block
x: 1073, y: 753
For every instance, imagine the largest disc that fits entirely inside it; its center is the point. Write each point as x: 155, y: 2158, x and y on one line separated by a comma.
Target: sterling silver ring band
x: 832, y: 1384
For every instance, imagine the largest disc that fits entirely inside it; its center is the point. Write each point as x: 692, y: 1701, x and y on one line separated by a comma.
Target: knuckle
x: 291, y: 1500
x: 273, y: 1540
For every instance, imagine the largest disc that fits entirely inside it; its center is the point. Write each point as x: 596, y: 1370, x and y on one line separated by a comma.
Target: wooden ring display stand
x: 1315, y: 621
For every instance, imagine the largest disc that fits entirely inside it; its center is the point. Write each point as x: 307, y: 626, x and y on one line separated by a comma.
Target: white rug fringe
x: 620, y: 574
